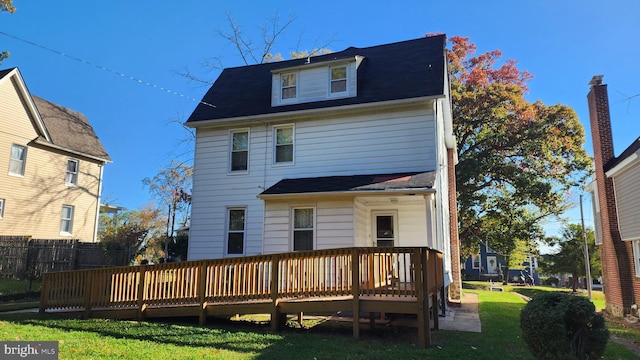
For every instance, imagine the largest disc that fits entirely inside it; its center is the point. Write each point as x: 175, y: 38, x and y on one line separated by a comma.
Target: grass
x: 316, y: 339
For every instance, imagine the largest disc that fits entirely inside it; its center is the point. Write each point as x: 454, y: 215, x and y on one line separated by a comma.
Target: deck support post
x: 421, y: 258
x: 355, y: 291
x: 202, y: 286
x: 275, y: 314
x: 141, y: 292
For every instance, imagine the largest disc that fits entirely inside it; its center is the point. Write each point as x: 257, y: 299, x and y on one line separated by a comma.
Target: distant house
x: 616, y: 202
x: 489, y: 265
x: 53, y: 164
x: 349, y: 149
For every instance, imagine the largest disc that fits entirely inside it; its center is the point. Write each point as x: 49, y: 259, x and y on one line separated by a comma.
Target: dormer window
x: 289, y: 82
x: 315, y: 80
x: 338, y: 80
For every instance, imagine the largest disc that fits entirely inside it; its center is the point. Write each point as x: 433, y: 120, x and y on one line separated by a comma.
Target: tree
x: 172, y: 187
x: 6, y: 6
x: 570, y: 258
x: 131, y: 229
x: 517, y: 160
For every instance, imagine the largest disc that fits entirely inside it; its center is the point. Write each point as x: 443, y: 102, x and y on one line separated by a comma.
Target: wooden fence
x: 390, y: 280
x: 22, y: 257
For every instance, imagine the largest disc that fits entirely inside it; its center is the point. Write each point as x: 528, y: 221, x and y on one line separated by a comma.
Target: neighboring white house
x: 353, y: 148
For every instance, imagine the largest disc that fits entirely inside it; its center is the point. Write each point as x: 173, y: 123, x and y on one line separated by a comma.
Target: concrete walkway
x: 463, y: 318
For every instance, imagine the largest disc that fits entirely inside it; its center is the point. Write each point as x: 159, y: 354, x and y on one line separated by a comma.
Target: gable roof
x: 375, y: 183
x: 60, y: 128
x: 401, y: 70
x: 70, y: 130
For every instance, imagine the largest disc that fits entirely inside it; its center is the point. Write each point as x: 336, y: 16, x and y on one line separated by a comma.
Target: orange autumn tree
x: 517, y: 159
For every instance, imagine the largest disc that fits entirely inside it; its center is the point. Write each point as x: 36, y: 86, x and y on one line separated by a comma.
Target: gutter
x: 349, y: 192
x: 310, y: 112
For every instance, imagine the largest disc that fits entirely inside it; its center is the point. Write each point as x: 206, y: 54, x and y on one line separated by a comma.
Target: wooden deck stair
x: 388, y: 280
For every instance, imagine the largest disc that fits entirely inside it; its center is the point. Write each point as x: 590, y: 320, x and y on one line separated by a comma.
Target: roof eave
x: 310, y: 112
x: 393, y: 192
x: 79, y: 153
x: 622, y: 165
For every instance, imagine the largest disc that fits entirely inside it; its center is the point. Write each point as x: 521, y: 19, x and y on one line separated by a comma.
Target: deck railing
x: 379, y: 273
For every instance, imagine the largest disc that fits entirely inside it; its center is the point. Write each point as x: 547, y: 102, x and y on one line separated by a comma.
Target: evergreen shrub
x: 560, y: 326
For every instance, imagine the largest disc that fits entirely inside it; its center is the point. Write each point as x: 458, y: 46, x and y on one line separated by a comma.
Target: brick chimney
x: 614, y: 253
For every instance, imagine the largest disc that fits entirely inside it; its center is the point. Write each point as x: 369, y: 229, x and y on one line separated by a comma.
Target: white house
x: 353, y: 148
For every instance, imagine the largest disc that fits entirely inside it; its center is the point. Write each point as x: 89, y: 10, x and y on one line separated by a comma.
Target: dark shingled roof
x: 69, y: 129
x: 354, y: 183
x: 402, y: 70
x: 634, y: 147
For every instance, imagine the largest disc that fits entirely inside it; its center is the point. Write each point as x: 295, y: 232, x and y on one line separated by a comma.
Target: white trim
x: 345, y: 92
x: 296, y: 87
x: 622, y: 165
x: 473, y: 263
x: 77, y: 172
x: 24, y: 160
x: 394, y: 192
x: 70, y: 220
x: 228, y: 231
x: 2, y: 203
x: 275, y: 144
x: 290, y: 115
x: 230, y: 150
x: 79, y: 153
x: 312, y: 64
x: 374, y: 224
x: 636, y: 256
x: 292, y: 209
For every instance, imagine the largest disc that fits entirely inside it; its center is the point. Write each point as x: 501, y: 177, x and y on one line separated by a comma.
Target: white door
x: 385, y: 228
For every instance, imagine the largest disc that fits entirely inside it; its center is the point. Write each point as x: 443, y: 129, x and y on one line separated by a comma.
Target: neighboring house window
x: 239, y: 150
x: 66, y: 222
x: 18, y: 159
x: 72, y: 172
x: 636, y: 256
x: 289, y: 86
x: 1, y: 208
x: 283, y: 144
x: 303, y: 229
x: 235, y: 234
x: 338, y: 79
x: 475, y: 261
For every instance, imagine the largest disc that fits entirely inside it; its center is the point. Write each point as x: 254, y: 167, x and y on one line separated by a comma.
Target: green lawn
x: 110, y: 339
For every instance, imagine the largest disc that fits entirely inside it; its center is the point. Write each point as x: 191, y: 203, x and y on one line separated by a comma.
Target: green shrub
x: 560, y: 326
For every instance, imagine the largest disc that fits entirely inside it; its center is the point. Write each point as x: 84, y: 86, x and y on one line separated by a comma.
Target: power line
x: 104, y: 68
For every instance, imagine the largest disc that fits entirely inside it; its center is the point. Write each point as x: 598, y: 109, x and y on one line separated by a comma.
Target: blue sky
x: 562, y: 43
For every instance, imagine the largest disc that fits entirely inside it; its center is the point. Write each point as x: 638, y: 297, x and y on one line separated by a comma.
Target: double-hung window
x: 18, y: 159
x: 475, y: 261
x: 338, y: 80
x: 71, y: 178
x: 239, y: 150
x: 235, y: 233
x: 66, y: 221
x: 289, y: 86
x: 1, y: 208
x: 303, y: 228
x: 283, y: 141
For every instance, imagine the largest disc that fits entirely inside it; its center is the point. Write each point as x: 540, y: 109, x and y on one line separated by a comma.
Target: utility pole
x: 587, y: 265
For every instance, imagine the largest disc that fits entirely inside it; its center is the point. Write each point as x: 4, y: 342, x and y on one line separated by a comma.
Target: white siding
x: 384, y: 142
x: 361, y: 223
x: 313, y: 85
x: 628, y: 202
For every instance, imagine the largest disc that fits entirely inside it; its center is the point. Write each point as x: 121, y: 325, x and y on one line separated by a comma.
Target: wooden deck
x: 356, y: 280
